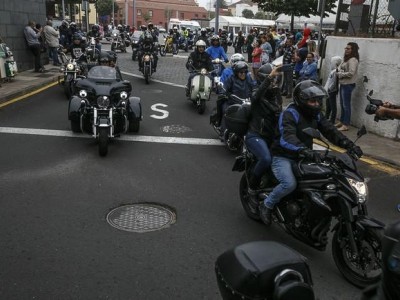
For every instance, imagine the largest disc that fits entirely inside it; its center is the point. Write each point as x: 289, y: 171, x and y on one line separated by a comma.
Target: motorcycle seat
x: 311, y: 171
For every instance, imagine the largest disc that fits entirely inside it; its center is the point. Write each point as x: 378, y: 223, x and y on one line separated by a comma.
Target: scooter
x: 200, y: 89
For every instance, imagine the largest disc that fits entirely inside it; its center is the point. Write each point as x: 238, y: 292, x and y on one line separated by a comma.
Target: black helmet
x: 76, y: 37
x: 95, y: 27
x: 105, y: 58
x: 240, y: 66
x: 143, y: 27
x: 150, y: 25
x: 264, y: 71
x: 309, y: 90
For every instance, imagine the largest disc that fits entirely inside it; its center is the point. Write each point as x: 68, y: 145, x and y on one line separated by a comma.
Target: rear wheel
x: 365, y: 268
x: 103, y: 141
x: 75, y: 126
x: 251, y: 209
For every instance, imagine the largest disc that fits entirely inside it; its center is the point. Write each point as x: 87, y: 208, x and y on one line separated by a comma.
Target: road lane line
x: 128, y: 138
x: 155, y: 80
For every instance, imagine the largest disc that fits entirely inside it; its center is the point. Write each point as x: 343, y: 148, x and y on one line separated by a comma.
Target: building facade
x: 158, y: 11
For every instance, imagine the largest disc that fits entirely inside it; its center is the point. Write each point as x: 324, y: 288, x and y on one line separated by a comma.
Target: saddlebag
x: 253, y: 271
x: 237, y: 118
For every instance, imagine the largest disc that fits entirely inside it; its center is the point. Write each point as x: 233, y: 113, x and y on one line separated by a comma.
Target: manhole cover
x: 175, y: 129
x: 141, y: 217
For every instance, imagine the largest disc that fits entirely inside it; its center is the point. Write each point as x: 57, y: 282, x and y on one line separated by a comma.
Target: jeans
x: 54, y: 55
x: 345, y: 102
x: 36, y: 52
x: 288, y: 82
x: 282, y: 168
x: 258, y: 146
x: 331, y: 109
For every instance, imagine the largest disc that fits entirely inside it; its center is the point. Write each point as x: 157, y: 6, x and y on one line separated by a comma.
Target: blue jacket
x: 228, y: 72
x: 309, y: 71
x: 217, y: 52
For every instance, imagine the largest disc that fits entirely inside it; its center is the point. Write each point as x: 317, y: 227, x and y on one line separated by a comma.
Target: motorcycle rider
x: 228, y: 72
x: 77, y: 48
x: 203, y: 36
x: 95, y: 33
x: 239, y: 85
x: 223, y: 37
x: 291, y: 144
x: 197, y: 60
x: 265, y: 111
x: 147, y: 45
x: 175, y: 39
x: 65, y: 38
x: 109, y: 59
x: 215, y: 50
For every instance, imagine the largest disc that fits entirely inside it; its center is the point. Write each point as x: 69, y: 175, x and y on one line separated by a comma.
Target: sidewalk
x: 382, y: 152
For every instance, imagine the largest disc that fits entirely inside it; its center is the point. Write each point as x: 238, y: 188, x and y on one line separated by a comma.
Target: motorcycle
x: 147, y: 62
x: 103, y: 106
x: 135, y: 45
x: 200, y: 89
x: 182, y: 44
x: 167, y: 46
x: 218, y: 68
x: 92, y: 53
x: 235, y: 118
x: 117, y: 43
x: 331, y: 189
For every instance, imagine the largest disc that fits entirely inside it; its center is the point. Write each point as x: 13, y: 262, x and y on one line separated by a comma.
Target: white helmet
x: 201, y: 43
x: 236, y: 57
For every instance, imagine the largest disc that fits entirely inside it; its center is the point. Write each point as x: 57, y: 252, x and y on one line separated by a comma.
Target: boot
x: 265, y: 214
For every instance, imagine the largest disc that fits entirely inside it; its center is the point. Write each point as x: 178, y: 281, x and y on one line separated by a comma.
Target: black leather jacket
x: 199, y: 60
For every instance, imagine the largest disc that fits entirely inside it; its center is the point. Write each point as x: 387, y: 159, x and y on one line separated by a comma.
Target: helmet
x: 72, y: 24
x: 309, y: 90
x: 183, y: 27
x: 150, y: 25
x: 143, y: 27
x: 200, y: 43
x: 95, y: 27
x: 76, y: 37
x: 65, y: 23
x: 215, y: 38
x: 264, y: 71
x: 240, y: 66
x: 175, y: 28
x: 203, y: 30
x: 236, y: 57
x: 106, y: 58
x: 119, y: 27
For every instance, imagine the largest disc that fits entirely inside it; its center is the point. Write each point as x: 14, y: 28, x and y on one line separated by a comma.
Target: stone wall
x: 380, y: 62
x: 14, y: 16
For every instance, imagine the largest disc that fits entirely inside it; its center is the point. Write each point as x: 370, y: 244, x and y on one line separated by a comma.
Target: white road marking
x: 128, y: 138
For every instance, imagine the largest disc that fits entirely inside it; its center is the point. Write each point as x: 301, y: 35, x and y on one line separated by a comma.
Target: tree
x: 221, y: 3
x: 105, y: 7
x: 298, y: 8
x: 248, y: 14
x: 259, y: 15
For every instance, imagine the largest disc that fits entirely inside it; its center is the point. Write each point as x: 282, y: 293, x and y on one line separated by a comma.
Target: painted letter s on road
x: 164, y: 113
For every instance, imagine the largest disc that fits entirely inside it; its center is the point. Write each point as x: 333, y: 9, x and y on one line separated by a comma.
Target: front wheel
x: 201, y: 107
x: 364, y: 269
x: 103, y: 141
x: 162, y: 51
x: 250, y: 208
x: 75, y: 126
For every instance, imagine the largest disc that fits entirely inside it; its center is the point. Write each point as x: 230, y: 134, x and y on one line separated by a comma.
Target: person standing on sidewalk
x: 249, y: 44
x: 32, y: 38
x: 288, y: 57
x: 347, y: 75
x: 52, y: 39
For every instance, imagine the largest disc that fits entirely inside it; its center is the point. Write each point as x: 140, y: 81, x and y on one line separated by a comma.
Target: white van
x: 192, y: 25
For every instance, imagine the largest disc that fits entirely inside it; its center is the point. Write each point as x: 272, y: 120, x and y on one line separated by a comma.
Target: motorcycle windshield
x: 102, y: 72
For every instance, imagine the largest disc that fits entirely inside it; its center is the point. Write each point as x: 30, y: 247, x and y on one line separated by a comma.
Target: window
x: 150, y: 13
x: 139, y: 12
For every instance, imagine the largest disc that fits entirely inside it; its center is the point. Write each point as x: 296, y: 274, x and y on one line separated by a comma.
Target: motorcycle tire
x: 134, y: 126
x: 368, y: 245
x: 68, y: 87
x: 112, y: 48
x: 133, y: 56
x: 251, y: 211
x: 201, y: 107
x: 75, y: 126
x: 103, y: 141
x: 162, y: 51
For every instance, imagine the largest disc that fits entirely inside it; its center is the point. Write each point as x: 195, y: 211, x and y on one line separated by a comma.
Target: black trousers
x: 36, y: 52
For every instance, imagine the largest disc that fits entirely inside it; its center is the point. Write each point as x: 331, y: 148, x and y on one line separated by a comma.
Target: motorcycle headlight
x: 146, y: 57
x: 123, y: 95
x: 114, y: 34
x: 103, y: 101
x: 70, y: 67
x: 203, y: 71
x: 360, y: 188
x: 82, y: 93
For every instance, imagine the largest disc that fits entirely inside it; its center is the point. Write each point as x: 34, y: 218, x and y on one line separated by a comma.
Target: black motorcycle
x: 71, y: 70
x: 117, y: 42
x: 331, y: 189
x: 103, y: 106
x: 147, y: 63
x: 135, y: 44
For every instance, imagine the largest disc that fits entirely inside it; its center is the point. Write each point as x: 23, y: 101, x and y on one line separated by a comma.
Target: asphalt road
x: 56, y: 192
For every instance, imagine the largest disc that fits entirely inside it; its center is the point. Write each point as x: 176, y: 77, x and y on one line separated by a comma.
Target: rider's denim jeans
x: 345, y: 102
x: 282, y: 168
x: 257, y: 145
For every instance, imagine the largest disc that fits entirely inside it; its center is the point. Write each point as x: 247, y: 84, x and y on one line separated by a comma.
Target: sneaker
x: 338, y: 124
x: 343, y: 128
x: 265, y: 214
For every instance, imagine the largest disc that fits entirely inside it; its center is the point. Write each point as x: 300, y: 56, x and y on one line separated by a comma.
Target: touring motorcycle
x: 117, y: 43
x: 331, y: 189
x: 103, y: 106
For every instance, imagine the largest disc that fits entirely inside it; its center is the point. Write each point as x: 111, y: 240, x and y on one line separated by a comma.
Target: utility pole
x: 113, y: 14
x: 216, y: 16
x: 63, y: 9
x: 134, y: 14
x: 126, y: 12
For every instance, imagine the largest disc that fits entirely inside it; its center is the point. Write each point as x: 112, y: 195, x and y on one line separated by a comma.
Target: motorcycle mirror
x: 371, y: 92
x: 362, y: 131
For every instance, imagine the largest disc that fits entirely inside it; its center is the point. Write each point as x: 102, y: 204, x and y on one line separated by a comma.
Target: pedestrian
x: 249, y: 44
x: 238, y: 42
x: 312, y: 48
x: 266, y: 50
x: 309, y: 69
x: 288, y: 58
x: 332, y: 88
x: 256, y: 57
x: 347, y: 75
x: 52, y: 40
x: 32, y: 38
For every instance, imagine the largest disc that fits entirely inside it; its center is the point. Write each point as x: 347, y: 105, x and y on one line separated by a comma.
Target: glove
x: 226, y: 60
x: 311, y: 155
x: 356, y: 150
